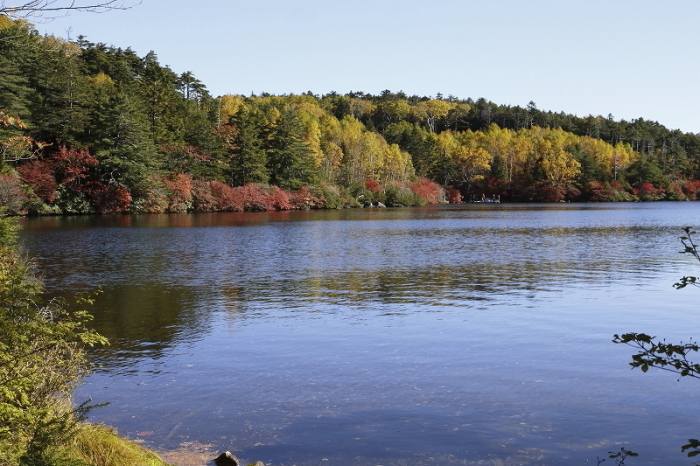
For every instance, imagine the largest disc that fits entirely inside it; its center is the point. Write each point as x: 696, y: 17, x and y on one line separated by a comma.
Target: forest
x: 93, y: 128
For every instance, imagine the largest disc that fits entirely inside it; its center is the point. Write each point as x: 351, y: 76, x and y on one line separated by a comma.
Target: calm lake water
x: 475, y: 334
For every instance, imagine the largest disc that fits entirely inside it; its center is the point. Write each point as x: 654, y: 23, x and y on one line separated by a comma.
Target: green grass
x: 99, y: 445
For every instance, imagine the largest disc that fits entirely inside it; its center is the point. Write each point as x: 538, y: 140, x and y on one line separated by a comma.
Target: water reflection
x: 145, y: 322
x: 439, y: 335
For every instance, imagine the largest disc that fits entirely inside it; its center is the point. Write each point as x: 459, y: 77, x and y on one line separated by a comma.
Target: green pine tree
x: 248, y: 160
x: 289, y: 157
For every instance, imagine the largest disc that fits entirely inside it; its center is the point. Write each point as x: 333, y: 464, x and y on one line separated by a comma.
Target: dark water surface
x: 476, y: 334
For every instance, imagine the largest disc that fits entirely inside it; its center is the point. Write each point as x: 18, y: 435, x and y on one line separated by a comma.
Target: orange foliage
x: 180, y: 192
x: 428, y: 190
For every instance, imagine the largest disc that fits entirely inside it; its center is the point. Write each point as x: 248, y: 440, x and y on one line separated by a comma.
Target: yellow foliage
x: 598, y: 150
x: 523, y: 145
x: 56, y: 44
x: 553, y: 157
x: 472, y: 160
x: 360, y: 107
x: 7, y: 22
x: 330, y: 128
x: 431, y: 110
x: 102, y: 80
x: 228, y: 106
x: 623, y: 156
x: 366, y: 155
x: 308, y: 111
x: 313, y: 138
x: 397, y: 164
x: 272, y: 116
x: 332, y: 160
x: 395, y: 110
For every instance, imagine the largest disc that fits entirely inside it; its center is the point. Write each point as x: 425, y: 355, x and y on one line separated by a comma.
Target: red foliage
x: 617, y: 186
x: 180, y: 192
x: 215, y: 195
x: 691, y: 189
x: 305, y: 199
x: 428, y: 190
x: 279, y: 199
x: 71, y: 165
x: 593, y: 190
x: 108, y: 198
x: 225, y: 196
x: 647, y: 191
x: 573, y: 194
x: 202, y: 198
x: 373, y: 185
x: 551, y: 193
x: 39, y: 175
x: 65, y: 167
x: 454, y: 196
x: 252, y: 198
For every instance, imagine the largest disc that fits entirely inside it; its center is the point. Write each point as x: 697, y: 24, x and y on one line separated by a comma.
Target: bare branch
x: 56, y: 8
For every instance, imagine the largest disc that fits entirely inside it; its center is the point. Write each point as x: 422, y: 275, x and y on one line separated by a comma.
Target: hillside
x: 91, y: 128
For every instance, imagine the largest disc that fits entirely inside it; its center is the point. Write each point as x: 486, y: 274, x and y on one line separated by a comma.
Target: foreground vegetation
x: 42, y: 359
x: 670, y: 357
x: 97, y: 445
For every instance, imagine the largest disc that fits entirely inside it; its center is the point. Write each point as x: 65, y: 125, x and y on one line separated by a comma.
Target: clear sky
x: 628, y: 58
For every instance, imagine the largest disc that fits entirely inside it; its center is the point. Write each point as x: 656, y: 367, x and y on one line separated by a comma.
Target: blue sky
x: 628, y: 58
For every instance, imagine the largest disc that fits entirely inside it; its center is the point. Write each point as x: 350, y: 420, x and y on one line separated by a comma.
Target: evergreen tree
x: 125, y: 149
x: 248, y: 160
x: 498, y: 168
x: 159, y: 98
x: 58, y: 107
x: 289, y: 157
x: 18, y: 46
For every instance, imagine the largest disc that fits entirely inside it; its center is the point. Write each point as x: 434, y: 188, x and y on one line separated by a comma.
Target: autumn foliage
x: 112, y: 123
x: 108, y: 198
x: 39, y: 175
x: 428, y: 190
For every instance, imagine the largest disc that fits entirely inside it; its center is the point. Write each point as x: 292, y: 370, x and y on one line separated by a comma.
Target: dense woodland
x: 91, y: 128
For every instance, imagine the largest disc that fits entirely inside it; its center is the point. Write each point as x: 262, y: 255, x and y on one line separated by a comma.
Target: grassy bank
x: 99, y: 445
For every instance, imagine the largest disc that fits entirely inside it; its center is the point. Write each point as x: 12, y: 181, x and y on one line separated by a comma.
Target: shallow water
x: 475, y: 334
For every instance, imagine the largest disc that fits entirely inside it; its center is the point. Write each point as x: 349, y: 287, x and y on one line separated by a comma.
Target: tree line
x: 91, y: 128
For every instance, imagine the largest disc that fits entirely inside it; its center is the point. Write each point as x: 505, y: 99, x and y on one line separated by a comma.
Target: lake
x: 467, y: 334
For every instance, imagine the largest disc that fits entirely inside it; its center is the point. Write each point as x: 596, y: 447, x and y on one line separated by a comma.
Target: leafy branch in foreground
x: 619, y: 457
x: 659, y: 354
x: 690, y: 248
x: 668, y: 356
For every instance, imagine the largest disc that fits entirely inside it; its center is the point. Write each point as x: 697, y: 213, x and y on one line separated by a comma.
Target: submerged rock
x: 226, y: 459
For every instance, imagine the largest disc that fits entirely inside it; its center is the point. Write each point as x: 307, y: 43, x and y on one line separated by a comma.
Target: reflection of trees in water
x: 410, y: 290
x: 145, y: 321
